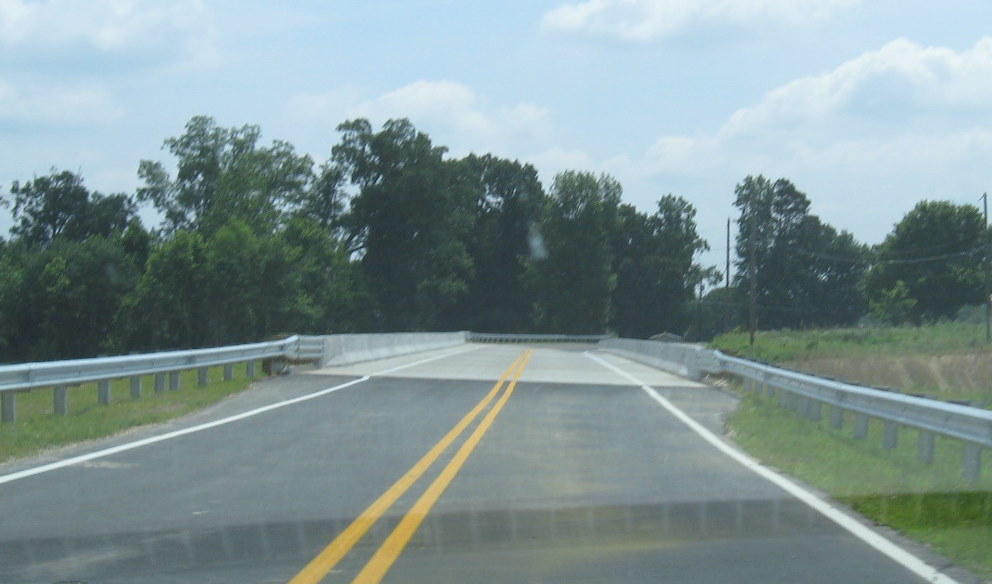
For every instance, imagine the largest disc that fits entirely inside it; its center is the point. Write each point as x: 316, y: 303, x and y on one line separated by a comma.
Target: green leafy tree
x: 655, y: 270
x: 936, y: 252
x: 327, y: 295
x: 508, y: 200
x: 59, y: 302
x: 409, y: 222
x: 325, y: 201
x: 575, y: 282
x: 893, y: 306
x: 804, y: 273
x: 168, y: 307
x: 224, y: 174
x: 59, y: 205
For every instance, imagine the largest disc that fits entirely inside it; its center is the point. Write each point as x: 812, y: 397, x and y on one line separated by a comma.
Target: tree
x: 936, y: 252
x: 654, y: 266
x: 793, y: 269
x: 575, y: 282
x: 409, y: 222
x: 327, y: 295
x: 324, y: 202
x: 168, y: 307
x: 223, y: 174
x: 59, y: 205
x: 59, y: 302
x: 508, y: 198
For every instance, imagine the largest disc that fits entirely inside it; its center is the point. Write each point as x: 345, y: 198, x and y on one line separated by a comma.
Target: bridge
x: 471, y: 463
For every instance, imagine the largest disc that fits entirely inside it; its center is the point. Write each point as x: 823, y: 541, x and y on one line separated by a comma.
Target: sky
x: 867, y: 106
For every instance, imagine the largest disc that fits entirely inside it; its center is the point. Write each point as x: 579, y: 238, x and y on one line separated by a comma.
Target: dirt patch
x: 958, y: 377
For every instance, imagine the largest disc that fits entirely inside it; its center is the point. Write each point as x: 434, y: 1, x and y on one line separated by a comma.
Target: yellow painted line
x: 325, y: 561
x: 386, y: 555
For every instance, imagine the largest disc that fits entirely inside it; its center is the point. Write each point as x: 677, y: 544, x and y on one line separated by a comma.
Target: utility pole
x: 988, y: 266
x: 728, y: 253
x: 728, y: 310
x: 752, y: 276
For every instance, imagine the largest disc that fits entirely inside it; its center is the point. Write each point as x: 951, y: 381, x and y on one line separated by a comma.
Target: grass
x: 788, y: 345
x: 929, y: 503
x: 37, y: 429
x: 949, y: 361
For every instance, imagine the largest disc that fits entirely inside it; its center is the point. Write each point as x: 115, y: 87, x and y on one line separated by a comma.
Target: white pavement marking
x: 206, y: 426
x: 855, y: 527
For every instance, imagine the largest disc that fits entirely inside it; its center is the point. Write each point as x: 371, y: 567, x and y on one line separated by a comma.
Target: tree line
x: 389, y: 233
x: 794, y: 271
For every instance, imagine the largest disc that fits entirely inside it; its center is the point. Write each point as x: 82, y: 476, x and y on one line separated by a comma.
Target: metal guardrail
x: 61, y: 374
x: 930, y: 417
x: 807, y: 394
x: 472, y: 337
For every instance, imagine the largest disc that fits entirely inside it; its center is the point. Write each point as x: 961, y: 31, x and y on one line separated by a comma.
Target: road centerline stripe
x: 325, y: 561
x: 396, y: 542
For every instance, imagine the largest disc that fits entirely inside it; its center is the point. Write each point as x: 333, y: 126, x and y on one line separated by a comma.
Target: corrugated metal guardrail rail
x: 61, y: 374
x: 535, y: 338
x: 807, y: 394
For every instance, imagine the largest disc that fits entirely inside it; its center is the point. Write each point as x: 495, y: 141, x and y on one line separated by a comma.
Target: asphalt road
x: 574, y: 475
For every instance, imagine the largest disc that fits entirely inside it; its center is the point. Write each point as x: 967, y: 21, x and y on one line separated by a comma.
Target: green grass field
x: 37, y: 428
x: 948, y: 362
x: 932, y: 503
x: 777, y: 346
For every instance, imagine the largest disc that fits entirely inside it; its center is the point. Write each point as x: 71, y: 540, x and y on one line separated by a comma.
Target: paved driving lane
x: 581, y: 477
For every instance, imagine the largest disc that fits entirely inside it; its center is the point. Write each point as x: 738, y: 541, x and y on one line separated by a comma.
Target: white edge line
x: 9, y: 478
x: 855, y: 527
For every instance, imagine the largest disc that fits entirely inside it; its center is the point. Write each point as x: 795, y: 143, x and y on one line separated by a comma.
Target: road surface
x: 567, y: 472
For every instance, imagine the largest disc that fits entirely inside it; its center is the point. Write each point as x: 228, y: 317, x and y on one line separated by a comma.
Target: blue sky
x: 868, y: 106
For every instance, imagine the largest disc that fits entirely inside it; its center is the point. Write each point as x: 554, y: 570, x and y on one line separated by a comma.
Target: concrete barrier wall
x: 678, y: 358
x: 345, y: 349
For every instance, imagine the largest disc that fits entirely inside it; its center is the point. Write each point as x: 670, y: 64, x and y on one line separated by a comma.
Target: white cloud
x: 901, y: 79
x: 898, y: 124
x: 646, y: 20
x: 181, y: 28
x: 452, y: 113
x: 61, y: 104
x: 900, y: 97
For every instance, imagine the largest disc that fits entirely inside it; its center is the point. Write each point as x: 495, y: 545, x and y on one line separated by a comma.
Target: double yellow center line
x: 393, y: 546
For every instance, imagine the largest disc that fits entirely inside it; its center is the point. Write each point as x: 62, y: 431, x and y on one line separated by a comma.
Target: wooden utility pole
x: 728, y: 253
x: 752, y: 276
x: 988, y: 266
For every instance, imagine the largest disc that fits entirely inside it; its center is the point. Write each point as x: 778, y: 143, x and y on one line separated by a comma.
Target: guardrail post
x: 860, y: 426
x: 201, y: 376
x: 61, y: 400
x: 228, y: 372
x: 250, y: 369
x: 8, y: 405
x: 136, y: 386
x: 925, y: 447
x: 972, y: 462
x: 103, y: 392
x: 837, y: 417
x: 890, y: 438
x: 173, y: 380
x: 815, y: 410
x: 159, y: 382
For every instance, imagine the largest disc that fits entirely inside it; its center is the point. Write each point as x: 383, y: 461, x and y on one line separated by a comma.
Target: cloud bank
x: 648, y: 20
